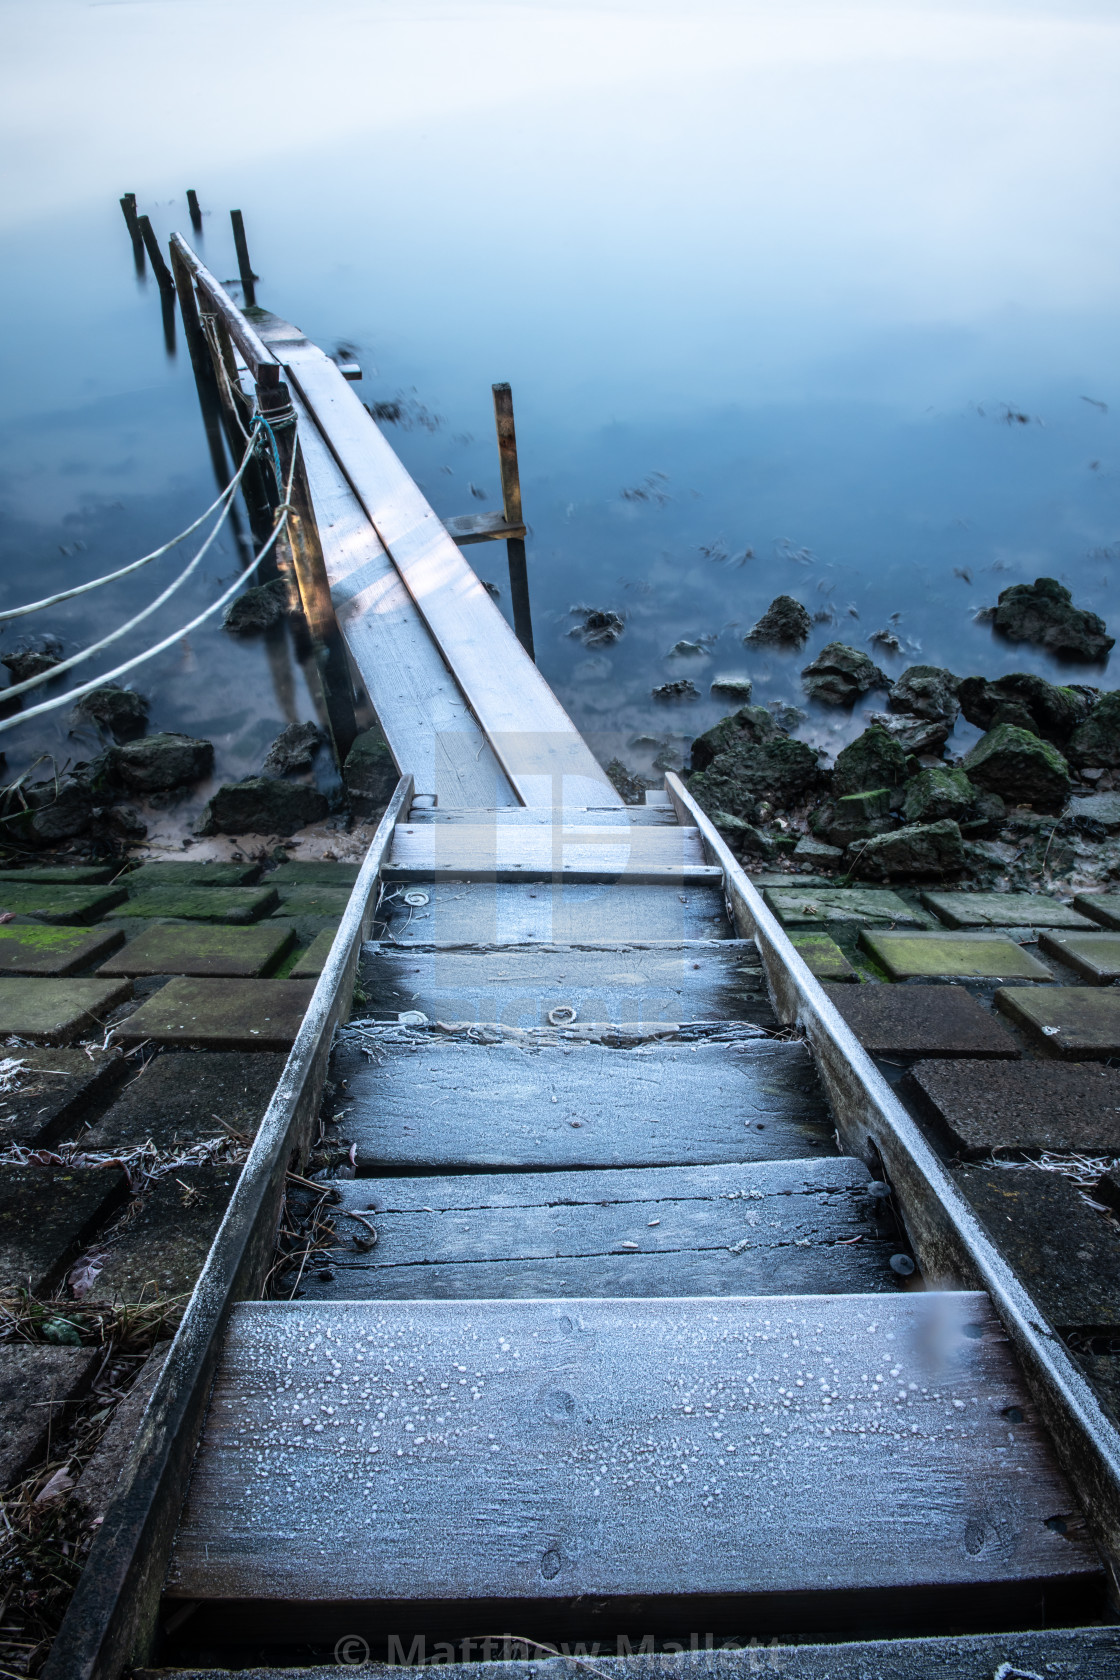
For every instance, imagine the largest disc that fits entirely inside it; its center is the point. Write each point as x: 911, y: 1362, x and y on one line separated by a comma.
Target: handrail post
x: 128, y: 207
x: 511, y: 503
x: 244, y: 266
x: 275, y: 404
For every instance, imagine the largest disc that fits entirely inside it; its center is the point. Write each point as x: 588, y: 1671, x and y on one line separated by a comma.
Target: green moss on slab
x: 956, y: 956
x: 202, y: 904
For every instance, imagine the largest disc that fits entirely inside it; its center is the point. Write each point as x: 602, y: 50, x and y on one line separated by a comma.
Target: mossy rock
x: 874, y: 759
x: 937, y: 793
x: 1020, y: 767
x: 1096, y: 742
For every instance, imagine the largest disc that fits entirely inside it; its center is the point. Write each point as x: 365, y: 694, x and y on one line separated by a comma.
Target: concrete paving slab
x: 1103, y: 1372
x: 176, y: 874
x: 309, y: 964
x: 1071, y: 1021
x: 62, y: 875
x: 37, y: 1382
x: 982, y: 1107
x: 1067, y: 1255
x: 52, y: 1092
x: 202, y: 904
x: 57, y: 1011
x: 1108, y: 1189
x: 157, y: 1253
x: 175, y: 948
x: 40, y: 948
x: 870, y: 906
x: 99, y: 1477
x: 922, y: 1021
x: 1096, y: 811
x: 46, y: 1215
x: 314, y: 873
x: 823, y: 957
x: 182, y: 1097
x: 1103, y: 908
x: 963, y: 910
x: 221, y: 1014
x: 1095, y: 956
x: 956, y: 956
x: 48, y: 903
x: 312, y: 901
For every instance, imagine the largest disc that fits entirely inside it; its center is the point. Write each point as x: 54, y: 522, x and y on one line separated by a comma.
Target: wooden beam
x: 255, y: 352
x: 467, y: 528
x: 536, y: 742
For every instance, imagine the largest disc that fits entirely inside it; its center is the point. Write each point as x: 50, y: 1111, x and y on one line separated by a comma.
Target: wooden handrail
x: 262, y: 363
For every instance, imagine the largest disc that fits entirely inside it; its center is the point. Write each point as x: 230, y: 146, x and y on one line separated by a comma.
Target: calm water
x: 819, y: 300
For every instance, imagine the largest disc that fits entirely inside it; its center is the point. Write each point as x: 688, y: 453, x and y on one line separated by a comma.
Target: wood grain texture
x: 423, y: 715
x: 466, y: 528
x: 455, y: 1107
x: 560, y: 912
x: 536, y: 742
x: 774, y: 1228
x: 518, y: 988
x: 729, y: 1447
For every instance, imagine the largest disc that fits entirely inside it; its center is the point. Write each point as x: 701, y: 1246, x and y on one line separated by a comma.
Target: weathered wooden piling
x: 275, y: 403
x: 128, y: 207
x: 244, y: 267
x: 195, y: 211
x: 511, y: 503
x: 155, y: 255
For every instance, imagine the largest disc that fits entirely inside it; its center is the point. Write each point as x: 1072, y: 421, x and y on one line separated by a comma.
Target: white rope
x: 133, y: 566
x: 54, y: 671
x: 168, y: 641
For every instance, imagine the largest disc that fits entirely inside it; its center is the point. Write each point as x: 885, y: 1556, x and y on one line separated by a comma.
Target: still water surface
x: 792, y: 299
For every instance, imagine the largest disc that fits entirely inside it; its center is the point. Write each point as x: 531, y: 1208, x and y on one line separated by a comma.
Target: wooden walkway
x: 606, y: 1343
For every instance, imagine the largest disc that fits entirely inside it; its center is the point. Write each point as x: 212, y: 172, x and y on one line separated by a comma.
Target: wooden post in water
x: 511, y: 503
x: 195, y: 212
x: 244, y: 267
x: 275, y: 403
x: 155, y: 256
x: 128, y: 206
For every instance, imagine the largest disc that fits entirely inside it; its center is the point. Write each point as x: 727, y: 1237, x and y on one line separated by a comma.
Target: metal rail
x: 111, y: 1622
x: 951, y: 1245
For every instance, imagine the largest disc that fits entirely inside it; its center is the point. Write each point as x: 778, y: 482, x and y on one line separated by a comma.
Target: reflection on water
x: 791, y: 300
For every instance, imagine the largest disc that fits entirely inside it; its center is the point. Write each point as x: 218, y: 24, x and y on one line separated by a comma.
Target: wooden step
x: 520, y: 987
x: 774, y: 1228
x: 543, y: 851
x: 823, y: 1460
x: 537, y: 816
x: 560, y: 912
x: 454, y: 1107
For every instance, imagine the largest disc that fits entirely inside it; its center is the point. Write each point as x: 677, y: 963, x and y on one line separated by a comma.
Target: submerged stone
x: 158, y: 763
x: 916, y: 851
x: 955, y: 956
x: 1095, y: 744
x: 28, y: 663
x: 937, y: 792
x: 1043, y: 612
x: 258, y: 609
x: 785, y: 623
x: 1020, y: 767
x: 733, y: 688
x: 263, y: 805
x: 926, y: 691
x: 1027, y: 701
x: 293, y: 750
x: 121, y: 712
x: 627, y: 783
x: 840, y: 674
x: 683, y: 689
